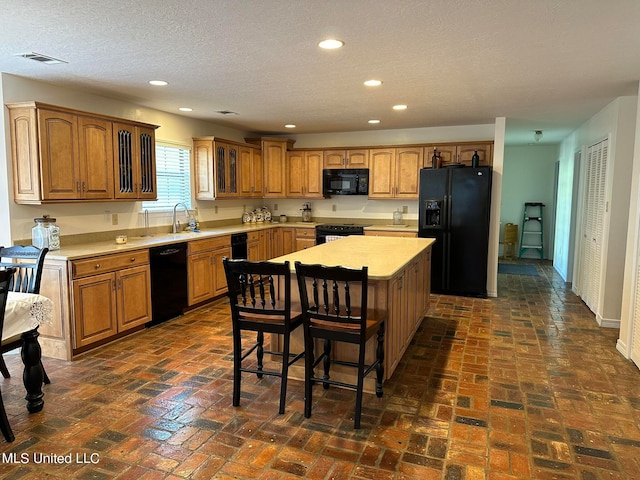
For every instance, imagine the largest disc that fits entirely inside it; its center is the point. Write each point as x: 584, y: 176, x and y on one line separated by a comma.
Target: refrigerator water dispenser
x: 432, y: 210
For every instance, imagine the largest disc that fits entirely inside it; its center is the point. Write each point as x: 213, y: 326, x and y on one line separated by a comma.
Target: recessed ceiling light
x: 373, y: 83
x: 399, y: 107
x: 186, y: 109
x: 158, y: 83
x: 374, y: 121
x: 331, y: 44
x: 289, y: 125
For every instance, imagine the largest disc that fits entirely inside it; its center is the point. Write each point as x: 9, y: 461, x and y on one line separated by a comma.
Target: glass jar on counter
x: 45, y: 233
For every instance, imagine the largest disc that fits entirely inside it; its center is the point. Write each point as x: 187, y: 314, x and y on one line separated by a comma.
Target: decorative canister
x: 45, y: 233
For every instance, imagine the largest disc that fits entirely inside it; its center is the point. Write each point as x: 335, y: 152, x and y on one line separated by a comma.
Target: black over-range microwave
x: 345, y: 182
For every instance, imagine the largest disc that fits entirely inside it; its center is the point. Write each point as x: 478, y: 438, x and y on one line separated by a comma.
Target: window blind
x: 173, y: 179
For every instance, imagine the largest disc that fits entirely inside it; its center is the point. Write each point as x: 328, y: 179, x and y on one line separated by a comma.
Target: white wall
x: 632, y: 257
x: 618, y: 122
x: 529, y: 177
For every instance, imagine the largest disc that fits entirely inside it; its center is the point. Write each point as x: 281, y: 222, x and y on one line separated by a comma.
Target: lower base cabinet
x: 205, y: 270
x: 110, y: 295
x: 305, y: 238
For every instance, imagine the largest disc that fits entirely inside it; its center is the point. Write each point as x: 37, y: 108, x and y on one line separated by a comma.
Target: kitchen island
x: 399, y: 283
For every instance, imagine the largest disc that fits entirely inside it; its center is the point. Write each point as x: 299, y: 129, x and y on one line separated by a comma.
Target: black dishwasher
x: 168, y: 282
x: 239, y: 245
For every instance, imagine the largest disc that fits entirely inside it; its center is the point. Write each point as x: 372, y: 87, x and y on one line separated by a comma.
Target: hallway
x: 524, y: 386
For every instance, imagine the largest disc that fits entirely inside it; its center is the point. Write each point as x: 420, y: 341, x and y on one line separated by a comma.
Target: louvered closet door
x: 587, y: 231
x: 593, y: 224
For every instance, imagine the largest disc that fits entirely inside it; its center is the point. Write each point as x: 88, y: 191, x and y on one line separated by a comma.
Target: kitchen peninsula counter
x: 399, y: 283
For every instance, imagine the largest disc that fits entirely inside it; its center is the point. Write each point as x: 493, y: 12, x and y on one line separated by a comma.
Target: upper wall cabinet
x: 304, y: 174
x: 226, y: 169
x: 250, y: 166
x: 274, y: 164
x: 394, y: 172
x: 350, y: 158
x: 135, y: 162
x: 461, y: 153
x: 62, y: 155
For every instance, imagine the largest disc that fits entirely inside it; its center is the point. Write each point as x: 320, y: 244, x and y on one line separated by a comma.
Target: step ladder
x: 531, y: 233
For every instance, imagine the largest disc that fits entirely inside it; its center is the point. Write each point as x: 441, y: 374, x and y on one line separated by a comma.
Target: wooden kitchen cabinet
x: 111, y: 294
x: 284, y: 241
x: 95, y: 158
x: 226, y: 169
x: 304, y: 174
x: 204, y: 178
x: 225, y: 160
x: 274, y: 165
x: 250, y: 172
x: 265, y: 244
x: 305, y: 238
x: 395, y: 172
x: 348, y: 158
x: 62, y: 155
x: 205, y: 270
x: 135, y: 162
x: 459, y: 153
x: 253, y: 246
x: 259, y: 245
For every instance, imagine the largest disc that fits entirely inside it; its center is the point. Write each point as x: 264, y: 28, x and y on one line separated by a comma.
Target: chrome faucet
x: 175, y: 222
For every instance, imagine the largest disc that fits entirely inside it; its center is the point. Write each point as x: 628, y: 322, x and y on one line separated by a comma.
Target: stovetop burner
x: 343, y: 228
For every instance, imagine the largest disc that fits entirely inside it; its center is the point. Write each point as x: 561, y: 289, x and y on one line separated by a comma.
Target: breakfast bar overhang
x: 399, y: 283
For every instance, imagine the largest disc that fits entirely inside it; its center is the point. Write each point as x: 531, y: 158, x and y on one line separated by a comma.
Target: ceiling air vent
x: 226, y: 112
x: 38, y: 57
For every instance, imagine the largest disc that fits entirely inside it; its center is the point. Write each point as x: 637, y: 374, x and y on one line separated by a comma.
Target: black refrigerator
x: 454, y: 209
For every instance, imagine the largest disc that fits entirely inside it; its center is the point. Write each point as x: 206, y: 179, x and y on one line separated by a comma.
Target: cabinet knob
x: 133, y: 259
x: 97, y: 266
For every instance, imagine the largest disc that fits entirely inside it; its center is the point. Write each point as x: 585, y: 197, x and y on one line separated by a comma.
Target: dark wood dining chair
x: 27, y: 262
x: 330, y: 315
x: 253, y: 288
x: 5, y: 277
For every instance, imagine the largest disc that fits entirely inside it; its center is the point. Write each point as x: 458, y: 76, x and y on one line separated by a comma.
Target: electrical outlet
x: 275, y: 206
x: 334, y: 207
x: 215, y: 209
x: 405, y: 209
x: 107, y: 216
x: 114, y: 219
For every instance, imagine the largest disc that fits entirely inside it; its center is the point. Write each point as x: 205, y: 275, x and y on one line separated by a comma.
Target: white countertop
x: 384, y: 256
x: 84, y: 250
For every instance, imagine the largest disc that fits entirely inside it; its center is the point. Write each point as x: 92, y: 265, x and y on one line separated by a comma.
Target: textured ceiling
x: 547, y: 64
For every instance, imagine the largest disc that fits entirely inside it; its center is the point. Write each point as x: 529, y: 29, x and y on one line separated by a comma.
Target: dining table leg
x: 33, y: 375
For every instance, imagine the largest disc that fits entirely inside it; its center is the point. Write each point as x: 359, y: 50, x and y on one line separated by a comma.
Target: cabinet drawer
x: 305, y: 233
x: 109, y: 263
x: 208, y: 244
x: 253, y: 236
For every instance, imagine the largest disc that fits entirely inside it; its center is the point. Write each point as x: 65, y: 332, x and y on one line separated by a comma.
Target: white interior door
x: 593, y: 224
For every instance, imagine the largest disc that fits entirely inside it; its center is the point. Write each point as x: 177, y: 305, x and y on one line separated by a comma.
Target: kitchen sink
x: 397, y: 226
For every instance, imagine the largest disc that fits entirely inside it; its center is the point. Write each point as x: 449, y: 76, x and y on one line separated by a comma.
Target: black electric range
x: 327, y: 232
